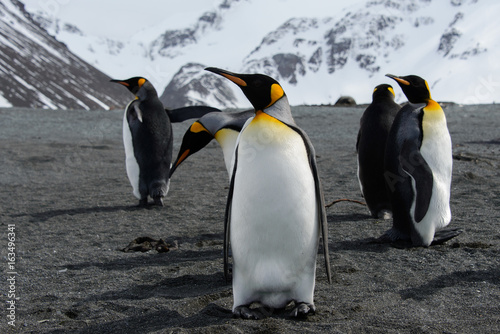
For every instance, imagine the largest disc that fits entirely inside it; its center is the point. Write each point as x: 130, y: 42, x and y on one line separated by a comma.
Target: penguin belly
x: 133, y: 170
x: 436, y: 150
x: 274, y: 230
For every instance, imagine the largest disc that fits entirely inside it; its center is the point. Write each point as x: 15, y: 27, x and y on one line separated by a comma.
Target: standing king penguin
x: 148, y: 140
x: 275, y: 209
x: 370, y: 147
x: 224, y: 127
x: 418, y: 163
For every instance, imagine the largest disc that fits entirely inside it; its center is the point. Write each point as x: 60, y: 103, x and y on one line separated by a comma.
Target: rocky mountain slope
x: 37, y: 71
x: 318, y: 52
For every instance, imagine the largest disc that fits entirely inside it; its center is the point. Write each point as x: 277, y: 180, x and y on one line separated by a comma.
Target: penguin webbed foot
x: 245, y: 312
x: 158, y: 201
x: 391, y: 236
x: 395, y: 238
x: 441, y: 236
x: 143, y: 202
x: 384, y: 214
x: 302, y: 310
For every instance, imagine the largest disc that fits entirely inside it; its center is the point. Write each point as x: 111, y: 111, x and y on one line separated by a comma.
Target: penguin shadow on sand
x: 363, y: 244
x: 449, y: 280
x: 46, y: 215
x: 359, y: 214
x: 200, y: 297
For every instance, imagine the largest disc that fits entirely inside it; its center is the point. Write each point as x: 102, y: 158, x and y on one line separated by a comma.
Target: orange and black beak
x: 132, y: 84
x: 261, y: 90
x: 234, y: 77
x: 195, y: 138
x: 414, y: 87
x: 399, y: 80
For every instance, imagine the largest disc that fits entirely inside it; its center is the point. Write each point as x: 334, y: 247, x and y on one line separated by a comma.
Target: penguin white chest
x: 274, y: 220
x: 437, y: 152
x: 131, y: 164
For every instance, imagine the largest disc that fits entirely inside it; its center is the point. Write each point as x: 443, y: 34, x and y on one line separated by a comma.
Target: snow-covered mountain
x: 38, y: 71
x: 318, y: 50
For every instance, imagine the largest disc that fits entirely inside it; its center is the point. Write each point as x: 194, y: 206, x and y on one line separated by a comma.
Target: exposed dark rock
x: 191, y: 85
x: 315, y: 61
x: 345, y: 101
x: 448, y: 40
x: 367, y: 62
x: 289, y: 65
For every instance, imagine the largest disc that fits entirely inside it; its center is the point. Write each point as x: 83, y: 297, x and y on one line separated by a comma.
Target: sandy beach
x: 66, y: 193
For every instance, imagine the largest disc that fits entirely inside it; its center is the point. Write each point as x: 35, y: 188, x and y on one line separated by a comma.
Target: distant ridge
x: 37, y: 71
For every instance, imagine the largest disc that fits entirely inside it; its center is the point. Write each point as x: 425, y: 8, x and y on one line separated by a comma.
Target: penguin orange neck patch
x: 262, y: 116
x: 433, y: 112
x: 432, y: 105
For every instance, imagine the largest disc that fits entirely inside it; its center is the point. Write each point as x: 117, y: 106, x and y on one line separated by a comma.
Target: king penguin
x: 275, y: 209
x: 374, y: 127
x: 148, y: 141
x: 418, y: 164
x: 224, y: 127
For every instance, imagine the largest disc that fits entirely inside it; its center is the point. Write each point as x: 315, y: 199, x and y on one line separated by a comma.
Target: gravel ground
x: 65, y: 190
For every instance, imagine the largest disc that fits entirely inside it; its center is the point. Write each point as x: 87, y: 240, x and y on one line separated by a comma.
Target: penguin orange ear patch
x: 427, y: 85
x: 276, y: 93
x: 141, y: 82
x: 391, y: 90
x: 197, y: 127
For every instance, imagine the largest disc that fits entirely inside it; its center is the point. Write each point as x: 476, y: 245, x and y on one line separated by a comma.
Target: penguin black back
x: 370, y: 146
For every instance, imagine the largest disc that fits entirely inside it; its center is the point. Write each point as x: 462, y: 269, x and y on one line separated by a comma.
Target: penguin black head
x: 132, y: 84
x: 195, y: 138
x: 414, y: 87
x: 383, y: 91
x: 262, y: 91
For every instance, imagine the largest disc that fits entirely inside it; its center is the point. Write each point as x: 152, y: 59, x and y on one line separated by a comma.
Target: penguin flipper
x: 320, y: 200
x: 227, y: 218
x: 357, y: 141
x: 414, y: 164
x: 137, y: 112
x: 181, y: 114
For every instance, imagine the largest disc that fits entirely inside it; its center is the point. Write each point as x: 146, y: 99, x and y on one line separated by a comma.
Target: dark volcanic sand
x: 65, y: 188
